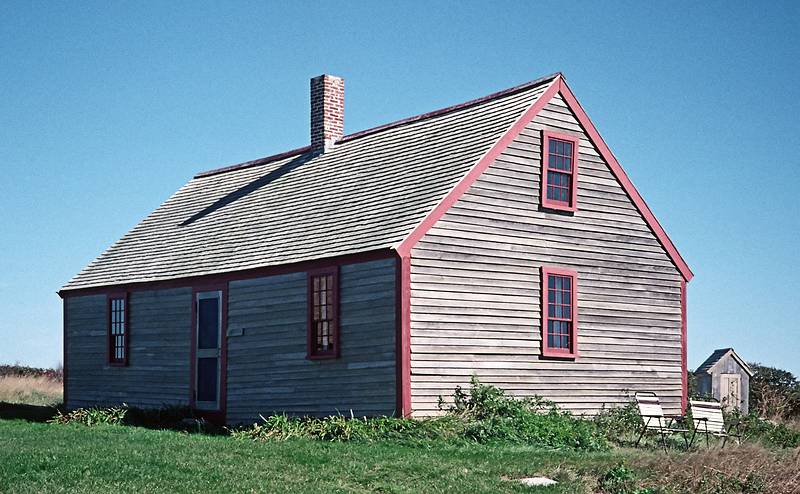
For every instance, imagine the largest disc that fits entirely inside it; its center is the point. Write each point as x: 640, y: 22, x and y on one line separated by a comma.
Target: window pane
x: 208, y: 323
x: 207, y: 379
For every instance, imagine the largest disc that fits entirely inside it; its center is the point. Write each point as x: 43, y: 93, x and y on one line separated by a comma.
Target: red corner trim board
x: 557, y: 86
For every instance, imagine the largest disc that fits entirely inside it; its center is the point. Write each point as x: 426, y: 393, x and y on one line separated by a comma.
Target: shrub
x: 340, y: 428
x: 617, y: 422
x: 166, y: 417
x: 768, y: 432
x: 774, y: 393
x: 621, y: 480
x: 489, y: 415
x: 481, y: 414
x: 91, y: 416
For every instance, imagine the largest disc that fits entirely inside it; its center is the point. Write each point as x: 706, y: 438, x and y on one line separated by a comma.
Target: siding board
x: 267, y: 367
x: 158, y: 370
x: 475, y: 301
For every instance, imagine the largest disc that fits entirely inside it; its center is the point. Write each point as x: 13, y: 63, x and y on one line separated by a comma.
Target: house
x: 376, y: 271
x: 725, y: 377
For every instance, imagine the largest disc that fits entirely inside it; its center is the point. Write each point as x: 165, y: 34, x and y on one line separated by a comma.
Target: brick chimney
x: 327, y: 111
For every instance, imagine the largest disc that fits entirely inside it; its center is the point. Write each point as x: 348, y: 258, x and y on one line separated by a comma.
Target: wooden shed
x: 378, y: 270
x: 725, y: 377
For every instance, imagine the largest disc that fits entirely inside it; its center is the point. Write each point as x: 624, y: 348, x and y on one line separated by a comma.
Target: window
x: 559, y: 312
x: 559, y: 171
x: 323, y: 311
x: 117, y: 330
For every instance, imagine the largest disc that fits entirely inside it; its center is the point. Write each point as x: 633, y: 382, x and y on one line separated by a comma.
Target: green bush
x: 483, y: 414
x: 621, y: 480
x: 489, y: 415
x: 767, y: 432
x: 168, y: 417
x: 340, y: 428
x: 91, y: 416
x: 617, y: 422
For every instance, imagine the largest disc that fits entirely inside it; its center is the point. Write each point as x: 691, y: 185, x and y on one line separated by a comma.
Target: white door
x: 730, y: 387
x: 208, y: 337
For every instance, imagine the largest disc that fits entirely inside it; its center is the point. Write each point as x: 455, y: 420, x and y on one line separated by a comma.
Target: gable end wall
x: 475, y: 287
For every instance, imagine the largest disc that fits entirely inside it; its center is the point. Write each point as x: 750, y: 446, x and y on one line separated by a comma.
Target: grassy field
x: 33, y: 390
x: 40, y: 457
x: 72, y: 458
x: 481, y: 447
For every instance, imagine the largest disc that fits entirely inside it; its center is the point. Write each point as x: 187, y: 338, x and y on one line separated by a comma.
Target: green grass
x: 38, y: 457
x: 45, y: 457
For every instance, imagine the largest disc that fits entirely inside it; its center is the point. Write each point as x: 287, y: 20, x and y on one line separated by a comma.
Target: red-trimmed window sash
x: 559, y: 181
x: 323, y: 313
x: 559, y: 312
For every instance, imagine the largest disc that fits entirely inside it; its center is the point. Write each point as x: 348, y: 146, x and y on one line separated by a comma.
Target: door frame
x: 219, y: 414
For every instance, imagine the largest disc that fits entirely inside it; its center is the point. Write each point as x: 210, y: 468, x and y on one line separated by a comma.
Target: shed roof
x: 717, y: 356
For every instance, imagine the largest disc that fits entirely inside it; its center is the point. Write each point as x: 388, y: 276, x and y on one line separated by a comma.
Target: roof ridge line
x: 387, y: 126
x: 451, y: 108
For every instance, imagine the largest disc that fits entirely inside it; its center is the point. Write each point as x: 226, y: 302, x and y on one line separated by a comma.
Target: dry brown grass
x: 748, y: 468
x: 30, y: 390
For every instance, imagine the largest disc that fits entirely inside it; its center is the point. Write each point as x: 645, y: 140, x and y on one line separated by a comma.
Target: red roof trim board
x: 260, y: 161
x: 404, y: 247
x: 684, y: 366
x: 403, y: 336
x: 626, y: 183
x: 228, y: 276
x: 558, y: 86
x: 442, y: 111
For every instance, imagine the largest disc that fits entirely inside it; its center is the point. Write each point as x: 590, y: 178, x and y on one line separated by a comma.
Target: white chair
x: 654, y: 420
x: 708, y: 419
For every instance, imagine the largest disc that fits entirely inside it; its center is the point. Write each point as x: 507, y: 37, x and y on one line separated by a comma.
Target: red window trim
x: 573, y: 202
x: 311, y: 353
x: 110, y: 360
x: 558, y: 352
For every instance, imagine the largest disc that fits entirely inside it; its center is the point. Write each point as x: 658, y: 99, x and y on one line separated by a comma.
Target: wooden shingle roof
x: 368, y: 193
x: 715, y: 357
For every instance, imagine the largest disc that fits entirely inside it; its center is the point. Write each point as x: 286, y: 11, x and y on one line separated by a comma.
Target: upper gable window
x: 323, y: 312
x: 559, y: 171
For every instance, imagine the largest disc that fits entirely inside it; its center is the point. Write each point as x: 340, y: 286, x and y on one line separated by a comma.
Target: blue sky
x: 106, y: 108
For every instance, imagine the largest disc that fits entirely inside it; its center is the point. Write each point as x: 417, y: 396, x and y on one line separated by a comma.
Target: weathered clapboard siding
x: 267, y: 367
x: 475, y: 301
x: 158, y: 370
